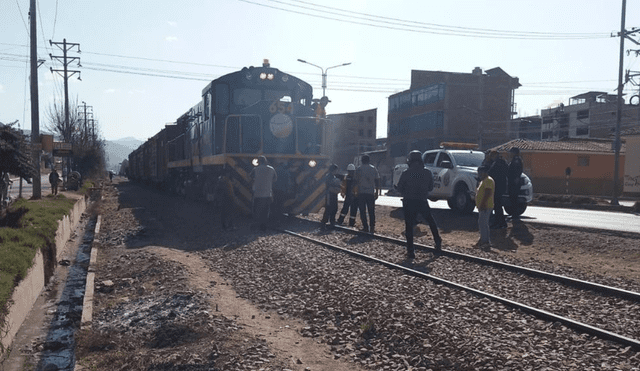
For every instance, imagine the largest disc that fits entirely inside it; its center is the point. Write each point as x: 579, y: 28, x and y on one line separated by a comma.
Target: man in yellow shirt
x: 484, y: 202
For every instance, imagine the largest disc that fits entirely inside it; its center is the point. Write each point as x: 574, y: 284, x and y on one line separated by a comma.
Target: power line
x: 430, y: 28
x: 22, y: 17
x: 55, y: 20
x: 440, y: 26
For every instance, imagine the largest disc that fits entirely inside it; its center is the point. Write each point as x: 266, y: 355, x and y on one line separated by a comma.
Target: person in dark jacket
x: 333, y: 188
x: 514, y: 174
x: 498, y: 170
x: 54, y: 178
x: 414, y: 185
x: 348, y: 190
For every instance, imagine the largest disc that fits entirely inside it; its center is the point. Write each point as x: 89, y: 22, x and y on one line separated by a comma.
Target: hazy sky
x: 144, y: 63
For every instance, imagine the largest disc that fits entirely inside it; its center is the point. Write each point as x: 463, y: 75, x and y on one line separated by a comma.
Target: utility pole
x: 35, y: 110
x: 616, y: 144
x: 85, y: 127
x: 66, y: 74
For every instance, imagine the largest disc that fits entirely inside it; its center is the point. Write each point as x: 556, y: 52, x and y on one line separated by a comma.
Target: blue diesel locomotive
x: 242, y: 115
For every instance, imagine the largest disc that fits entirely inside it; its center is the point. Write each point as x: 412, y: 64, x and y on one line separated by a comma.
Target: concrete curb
x: 87, y: 304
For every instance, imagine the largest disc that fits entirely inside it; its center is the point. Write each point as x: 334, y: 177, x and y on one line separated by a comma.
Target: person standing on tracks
x: 263, y: 177
x: 514, y: 177
x: 498, y: 170
x: 226, y: 199
x: 331, y: 205
x: 368, y: 182
x: 348, y: 190
x: 54, y: 178
x: 414, y: 185
x: 484, y: 202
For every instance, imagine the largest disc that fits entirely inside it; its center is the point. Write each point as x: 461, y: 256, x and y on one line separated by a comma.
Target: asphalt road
x: 27, y: 189
x: 607, y: 220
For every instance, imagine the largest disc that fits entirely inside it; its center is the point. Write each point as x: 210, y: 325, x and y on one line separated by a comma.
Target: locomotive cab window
x: 246, y: 97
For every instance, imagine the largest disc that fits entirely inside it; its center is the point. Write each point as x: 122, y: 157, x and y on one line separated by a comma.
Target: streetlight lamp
x: 324, y: 73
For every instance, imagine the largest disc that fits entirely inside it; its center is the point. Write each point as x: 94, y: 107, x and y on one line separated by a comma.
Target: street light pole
x: 324, y: 73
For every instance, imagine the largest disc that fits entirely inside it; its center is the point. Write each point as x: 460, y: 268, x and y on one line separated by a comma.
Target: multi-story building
x: 351, y: 135
x: 474, y: 107
x: 588, y: 115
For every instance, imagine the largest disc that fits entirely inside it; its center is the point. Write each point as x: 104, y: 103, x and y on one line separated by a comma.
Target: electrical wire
x: 429, y: 29
x: 440, y: 26
x: 55, y: 20
x: 22, y: 17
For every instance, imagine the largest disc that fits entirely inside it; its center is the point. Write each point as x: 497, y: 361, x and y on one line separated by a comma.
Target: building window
x: 583, y: 160
x: 361, y: 132
x: 583, y: 115
x: 370, y: 133
x: 370, y: 119
x: 584, y: 130
x: 361, y: 118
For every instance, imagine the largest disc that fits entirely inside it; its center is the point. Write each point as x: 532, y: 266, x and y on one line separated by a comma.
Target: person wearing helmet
x: 348, y: 190
x: 414, y: 185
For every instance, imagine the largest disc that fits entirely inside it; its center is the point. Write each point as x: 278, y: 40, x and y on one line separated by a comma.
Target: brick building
x: 439, y: 106
x: 569, y: 166
x: 351, y: 135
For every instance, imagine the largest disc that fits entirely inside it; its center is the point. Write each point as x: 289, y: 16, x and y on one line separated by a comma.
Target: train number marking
x: 280, y: 107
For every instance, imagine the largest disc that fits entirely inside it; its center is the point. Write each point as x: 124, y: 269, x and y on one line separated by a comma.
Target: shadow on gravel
x: 422, y: 265
x: 176, y: 222
x: 447, y: 220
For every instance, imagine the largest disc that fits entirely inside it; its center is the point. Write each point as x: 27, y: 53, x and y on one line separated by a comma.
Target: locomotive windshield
x: 246, y: 97
x: 249, y: 97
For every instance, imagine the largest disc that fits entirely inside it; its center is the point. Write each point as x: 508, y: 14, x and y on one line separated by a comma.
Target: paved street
x: 609, y: 220
x: 27, y: 189
x: 535, y: 214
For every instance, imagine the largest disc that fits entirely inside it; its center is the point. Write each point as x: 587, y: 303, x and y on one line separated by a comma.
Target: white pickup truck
x: 455, y: 173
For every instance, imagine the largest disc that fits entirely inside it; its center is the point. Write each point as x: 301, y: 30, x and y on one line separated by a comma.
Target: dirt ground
x: 141, y: 264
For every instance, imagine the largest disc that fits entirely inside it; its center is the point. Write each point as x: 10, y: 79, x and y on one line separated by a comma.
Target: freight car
x: 242, y: 115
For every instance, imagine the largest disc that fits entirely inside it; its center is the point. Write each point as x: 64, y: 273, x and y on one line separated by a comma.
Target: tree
x: 88, y: 150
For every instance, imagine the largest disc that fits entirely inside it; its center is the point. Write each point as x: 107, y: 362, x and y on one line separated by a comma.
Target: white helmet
x: 351, y: 167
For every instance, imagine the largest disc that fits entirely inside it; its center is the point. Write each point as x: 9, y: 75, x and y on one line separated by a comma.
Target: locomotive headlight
x: 263, y: 76
x: 285, y: 78
x: 270, y: 76
x: 312, y: 163
x: 248, y: 76
x: 254, y: 162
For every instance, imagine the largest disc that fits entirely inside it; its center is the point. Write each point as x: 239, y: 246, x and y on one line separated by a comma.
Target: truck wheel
x: 461, y: 201
x: 517, y: 211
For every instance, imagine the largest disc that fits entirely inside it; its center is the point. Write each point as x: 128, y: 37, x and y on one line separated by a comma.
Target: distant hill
x: 118, y: 150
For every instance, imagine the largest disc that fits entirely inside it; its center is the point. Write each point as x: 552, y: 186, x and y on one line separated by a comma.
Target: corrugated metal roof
x: 563, y: 145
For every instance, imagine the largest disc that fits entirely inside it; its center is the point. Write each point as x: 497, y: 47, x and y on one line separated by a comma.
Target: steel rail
x: 539, y: 313
x: 603, y: 289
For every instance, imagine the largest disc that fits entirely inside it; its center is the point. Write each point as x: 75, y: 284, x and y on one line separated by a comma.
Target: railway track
x: 607, y: 312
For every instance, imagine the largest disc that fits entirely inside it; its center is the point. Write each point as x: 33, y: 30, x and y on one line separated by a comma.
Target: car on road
x: 455, y: 173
